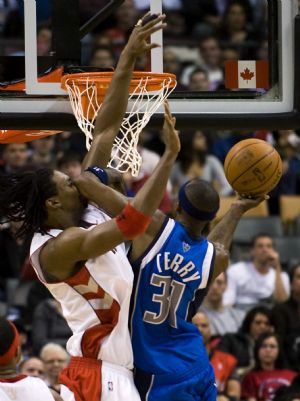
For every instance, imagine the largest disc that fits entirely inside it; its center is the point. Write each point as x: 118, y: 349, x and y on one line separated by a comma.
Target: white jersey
x: 246, y: 286
x: 95, y: 301
x: 24, y: 388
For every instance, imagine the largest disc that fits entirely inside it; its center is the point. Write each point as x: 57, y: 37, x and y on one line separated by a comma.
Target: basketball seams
x: 271, y: 176
x: 236, y: 153
x: 252, y: 165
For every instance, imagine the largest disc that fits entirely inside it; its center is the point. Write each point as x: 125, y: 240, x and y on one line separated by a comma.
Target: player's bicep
x: 221, y: 260
x: 59, y: 256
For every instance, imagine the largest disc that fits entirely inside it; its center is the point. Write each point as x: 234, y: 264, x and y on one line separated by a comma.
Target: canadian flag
x: 246, y: 74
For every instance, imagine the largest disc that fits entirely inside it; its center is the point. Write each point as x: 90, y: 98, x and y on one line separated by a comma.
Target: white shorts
x: 117, y: 385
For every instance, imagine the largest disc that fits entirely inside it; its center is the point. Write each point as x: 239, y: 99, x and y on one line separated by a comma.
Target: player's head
x: 10, y: 351
x: 39, y: 199
x: 198, y: 200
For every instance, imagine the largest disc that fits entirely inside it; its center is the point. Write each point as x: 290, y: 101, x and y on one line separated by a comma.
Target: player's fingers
x: 154, y: 29
x: 152, y: 20
x: 152, y: 46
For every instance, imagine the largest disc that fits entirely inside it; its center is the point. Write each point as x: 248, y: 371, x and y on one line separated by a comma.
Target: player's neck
x: 9, y: 371
x: 193, y: 229
x: 60, y: 221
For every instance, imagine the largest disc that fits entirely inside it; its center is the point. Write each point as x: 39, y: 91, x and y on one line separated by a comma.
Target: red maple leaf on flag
x: 247, y: 75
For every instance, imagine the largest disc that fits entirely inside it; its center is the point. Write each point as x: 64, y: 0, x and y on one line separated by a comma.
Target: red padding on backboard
x: 21, y: 136
x: 53, y: 76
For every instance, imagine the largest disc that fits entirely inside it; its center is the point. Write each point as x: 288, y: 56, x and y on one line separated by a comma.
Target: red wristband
x: 131, y: 222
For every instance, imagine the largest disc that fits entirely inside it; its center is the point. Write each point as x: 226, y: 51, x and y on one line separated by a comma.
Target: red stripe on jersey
x: 14, y: 379
x: 105, y: 307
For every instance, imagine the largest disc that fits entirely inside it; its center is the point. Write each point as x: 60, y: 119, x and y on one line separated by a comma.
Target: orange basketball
x: 253, y: 167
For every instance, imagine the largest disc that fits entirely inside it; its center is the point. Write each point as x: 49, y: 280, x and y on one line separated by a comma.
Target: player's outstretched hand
x: 170, y: 133
x: 138, y: 42
x: 249, y: 202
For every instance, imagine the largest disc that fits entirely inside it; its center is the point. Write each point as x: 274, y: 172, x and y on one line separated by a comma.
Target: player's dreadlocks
x: 23, y: 196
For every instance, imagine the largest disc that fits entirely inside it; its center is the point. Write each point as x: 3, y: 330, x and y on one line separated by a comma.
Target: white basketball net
x: 142, y: 104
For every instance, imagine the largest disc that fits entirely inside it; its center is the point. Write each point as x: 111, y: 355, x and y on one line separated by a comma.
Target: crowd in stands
x: 250, y: 319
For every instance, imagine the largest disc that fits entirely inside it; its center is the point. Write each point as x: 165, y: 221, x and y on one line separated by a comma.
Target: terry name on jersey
x: 186, y: 270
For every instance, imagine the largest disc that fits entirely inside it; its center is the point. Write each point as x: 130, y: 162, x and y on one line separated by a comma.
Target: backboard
x: 274, y: 38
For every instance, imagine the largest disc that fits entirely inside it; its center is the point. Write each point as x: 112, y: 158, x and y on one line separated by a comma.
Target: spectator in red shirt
x: 269, y: 373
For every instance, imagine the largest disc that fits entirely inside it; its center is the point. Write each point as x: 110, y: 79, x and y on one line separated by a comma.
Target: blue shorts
x: 195, y: 384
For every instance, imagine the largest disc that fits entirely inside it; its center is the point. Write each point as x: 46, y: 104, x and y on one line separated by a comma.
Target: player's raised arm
x: 113, y: 202
x: 114, y: 106
x: 75, y: 245
x: 223, y: 231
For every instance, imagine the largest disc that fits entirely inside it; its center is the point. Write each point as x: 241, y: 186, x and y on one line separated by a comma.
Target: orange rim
x: 103, y: 79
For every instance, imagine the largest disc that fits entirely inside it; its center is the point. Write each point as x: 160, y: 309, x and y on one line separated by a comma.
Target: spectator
x: 289, y: 148
x: 286, y: 319
x: 173, y: 65
x: 258, y: 281
x: 236, y: 29
x: 198, y: 81
x: 44, y: 40
x: 15, y: 157
x: 223, y: 319
x: 32, y: 366
x: 270, y: 371
x: 241, y: 344
x: 210, y: 60
x: 13, y: 257
x: 103, y: 57
x: 49, y: 325
x: 211, y: 54
x: 194, y: 161
x: 70, y: 164
x: 43, y: 153
x: 223, y: 363
x: 55, y: 359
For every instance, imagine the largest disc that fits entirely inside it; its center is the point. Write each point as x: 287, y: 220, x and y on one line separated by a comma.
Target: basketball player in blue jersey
x: 174, y: 265
x: 173, y: 270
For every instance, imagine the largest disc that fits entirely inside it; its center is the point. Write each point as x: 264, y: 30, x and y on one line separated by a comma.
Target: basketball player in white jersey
x: 77, y: 251
x: 14, y: 386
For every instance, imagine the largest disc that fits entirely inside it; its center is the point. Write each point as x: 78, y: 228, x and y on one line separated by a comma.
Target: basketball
x: 253, y: 167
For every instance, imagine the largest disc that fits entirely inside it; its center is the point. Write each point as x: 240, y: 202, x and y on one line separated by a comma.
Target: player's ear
x: 53, y: 203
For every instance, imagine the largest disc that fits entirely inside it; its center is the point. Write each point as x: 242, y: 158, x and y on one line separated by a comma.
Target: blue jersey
x: 171, y: 280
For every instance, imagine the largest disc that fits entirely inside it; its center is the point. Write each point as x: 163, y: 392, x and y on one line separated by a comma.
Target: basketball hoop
x: 147, y: 91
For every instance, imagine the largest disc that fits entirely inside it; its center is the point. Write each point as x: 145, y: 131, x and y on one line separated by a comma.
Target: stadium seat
x: 289, y: 250
x: 260, y: 211
x: 248, y: 227
x: 289, y: 211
